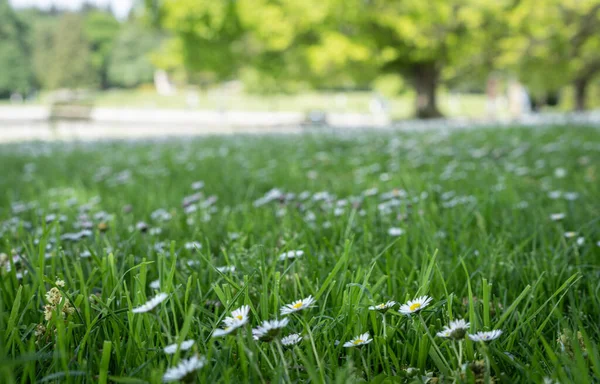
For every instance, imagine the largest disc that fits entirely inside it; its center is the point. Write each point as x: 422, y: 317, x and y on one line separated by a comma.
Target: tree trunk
x: 580, y: 94
x: 425, y: 77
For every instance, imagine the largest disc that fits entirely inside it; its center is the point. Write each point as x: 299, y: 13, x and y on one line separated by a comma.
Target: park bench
x: 71, y: 106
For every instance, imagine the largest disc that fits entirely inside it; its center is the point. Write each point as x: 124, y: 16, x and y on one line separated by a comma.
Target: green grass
x: 478, y: 240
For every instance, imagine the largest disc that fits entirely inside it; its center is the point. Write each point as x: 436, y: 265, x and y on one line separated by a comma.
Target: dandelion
x: 383, y: 307
x: 456, y: 330
x: 184, y: 346
x: 557, y: 216
x: 297, y: 305
x: 238, y: 318
x: 268, y: 330
x: 486, y: 336
x: 292, y: 339
x: 416, y: 305
x: 358, y: 341
x: 290, y: 255
x: 151, y: 304
x: 394, y: 231
x: 185, y: 370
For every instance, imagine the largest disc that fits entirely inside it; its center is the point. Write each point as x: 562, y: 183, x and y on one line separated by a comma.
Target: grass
x: 474, y: 205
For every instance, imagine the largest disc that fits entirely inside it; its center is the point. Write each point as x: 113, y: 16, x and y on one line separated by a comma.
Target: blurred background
x: 288, y: 61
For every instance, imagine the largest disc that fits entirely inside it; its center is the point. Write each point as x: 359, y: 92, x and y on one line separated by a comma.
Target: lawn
x: 122, y: 262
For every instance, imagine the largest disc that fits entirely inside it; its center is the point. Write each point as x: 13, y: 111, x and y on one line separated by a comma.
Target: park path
x: 26, y: 123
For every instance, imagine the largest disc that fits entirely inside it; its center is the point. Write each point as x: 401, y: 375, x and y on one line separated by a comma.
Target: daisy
x: 557, y: 216
x: 456, y: 330
x: 151, y: 304
x: 570, y: 235
x: 394, y: 231
x: 155, y: 284
x: 184, y: 370
x: 486, y: 336
x: 297, y: 305
x: 184, y: 346
x: 580, y: 240
x: 226, y: 269
x: 358, y: 341
x: 238, y: 318
x: 290, y: 255
x: 414, y: 306
x: 268, y: 330
x: 383, y: 307
x: 292, y: 339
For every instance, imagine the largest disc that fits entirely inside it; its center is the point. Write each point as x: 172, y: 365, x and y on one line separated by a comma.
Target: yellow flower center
x: 356, y: 342
x: 381, y: 306
x: 414, y: 307
x: 239, y: 317
x: 297, y: 305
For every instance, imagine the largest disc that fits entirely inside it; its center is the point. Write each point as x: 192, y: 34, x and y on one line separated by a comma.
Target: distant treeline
x: 91, y: 49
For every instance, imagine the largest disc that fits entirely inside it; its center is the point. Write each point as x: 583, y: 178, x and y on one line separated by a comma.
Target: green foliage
x: 130, y: 63
x: 63, y: 58
x: 101, y: 30
x: 15, y: 68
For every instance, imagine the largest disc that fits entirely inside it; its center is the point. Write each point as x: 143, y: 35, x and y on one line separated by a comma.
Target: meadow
x: 312, y: 258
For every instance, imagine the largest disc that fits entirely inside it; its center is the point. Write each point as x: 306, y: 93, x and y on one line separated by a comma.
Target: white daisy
x: 151, y: 304
x: 290, y: 255
x: 456, y: 330
x: 184, y: 346
x: 155, y: 284
x: 557, y: 216
x: 570, y: 234
x: 192, y: 245
x: 238, y: 318
x: 358, y: 341
x: 383, y: 307
x: 297, y: 305
x: 226, y: 269
x: 580, y: 240
x: 486, y: 336
x: 394, y: 231
x: 414, y: 306
x: 292, y: 339
x: 268, y: 330
x: 184, y: 370
x: 560, y: 173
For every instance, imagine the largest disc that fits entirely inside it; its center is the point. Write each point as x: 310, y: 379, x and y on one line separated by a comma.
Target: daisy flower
x: 184, y: 346
x: 383, y: 307
x: 570, y: 234
x: 290, y: 255
x: 151, y: 304
x: 456, y: 330
x: 238, y: 318
x: 292, y: 339
x: 414, y: 306
x: 358, y: 341
x: 394, y: 231
x: 297, y: 305
x: 557, y: 216
x: 185, y: 370
x: 580, y: 240
x: 486, y: 336
x: 268, y: 330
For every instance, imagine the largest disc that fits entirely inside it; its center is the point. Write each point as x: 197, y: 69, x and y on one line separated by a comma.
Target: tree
x: 555, y: 43
x: 130, y: 63
x: 15, y: 69
x: 101, y: 29
x: 68, y: 60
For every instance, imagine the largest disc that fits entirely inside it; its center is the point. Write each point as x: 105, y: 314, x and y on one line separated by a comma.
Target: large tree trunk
x: 425, y: 78
x: 580, y: 94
